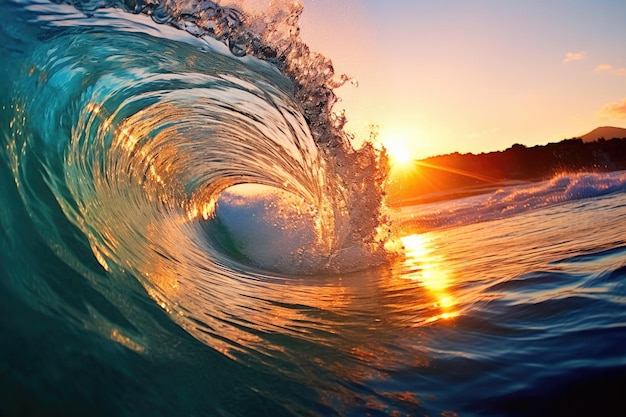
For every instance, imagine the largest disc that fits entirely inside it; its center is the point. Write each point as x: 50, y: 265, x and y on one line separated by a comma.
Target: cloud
x: 574, y: 56
x: 604, y: 68
x: 613, y: 111
x: 621, y: 72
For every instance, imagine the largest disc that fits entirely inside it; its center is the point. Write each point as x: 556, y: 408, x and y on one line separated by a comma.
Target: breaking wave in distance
x: 512, y: 199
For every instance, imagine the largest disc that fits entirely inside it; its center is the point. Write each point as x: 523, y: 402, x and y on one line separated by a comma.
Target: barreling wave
x: 125, y: 136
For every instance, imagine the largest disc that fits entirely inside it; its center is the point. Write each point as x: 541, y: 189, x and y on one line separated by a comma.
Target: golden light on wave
x: 426, y: 267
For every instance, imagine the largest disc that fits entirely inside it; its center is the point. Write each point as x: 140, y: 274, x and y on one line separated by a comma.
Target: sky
x: 474, y: 76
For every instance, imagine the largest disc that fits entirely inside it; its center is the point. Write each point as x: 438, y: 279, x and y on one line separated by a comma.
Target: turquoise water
x: 136, y: 281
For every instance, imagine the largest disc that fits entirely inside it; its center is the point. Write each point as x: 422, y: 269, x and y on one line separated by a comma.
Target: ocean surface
x: 141, y: 276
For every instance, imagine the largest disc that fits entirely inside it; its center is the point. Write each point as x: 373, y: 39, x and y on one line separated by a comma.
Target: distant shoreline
x: 436, y: 178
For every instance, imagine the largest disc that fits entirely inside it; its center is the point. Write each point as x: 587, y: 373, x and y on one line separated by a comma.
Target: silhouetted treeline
x: 445, y: 172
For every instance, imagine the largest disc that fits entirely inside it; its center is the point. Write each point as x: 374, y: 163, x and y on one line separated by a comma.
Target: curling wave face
x: 125, y: 137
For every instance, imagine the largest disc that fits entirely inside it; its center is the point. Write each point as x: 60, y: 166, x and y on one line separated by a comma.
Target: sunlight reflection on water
x: 425, y: 265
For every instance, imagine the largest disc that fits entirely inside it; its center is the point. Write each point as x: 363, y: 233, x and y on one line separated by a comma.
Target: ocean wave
x: 125, y: 138
x: 512, y: 200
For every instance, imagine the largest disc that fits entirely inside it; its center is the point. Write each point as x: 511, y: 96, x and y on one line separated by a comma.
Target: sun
x: 400, y: 153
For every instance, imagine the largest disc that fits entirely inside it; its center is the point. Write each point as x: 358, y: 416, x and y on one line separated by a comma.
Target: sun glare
x: 401, y: 154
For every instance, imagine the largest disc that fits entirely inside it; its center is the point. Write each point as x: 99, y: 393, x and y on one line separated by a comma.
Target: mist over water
x: 187, y: 230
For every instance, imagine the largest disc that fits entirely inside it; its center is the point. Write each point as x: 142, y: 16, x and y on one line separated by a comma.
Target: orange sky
x: 446, y: 76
